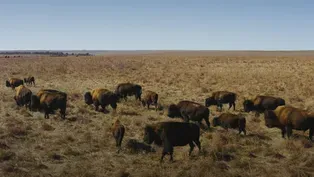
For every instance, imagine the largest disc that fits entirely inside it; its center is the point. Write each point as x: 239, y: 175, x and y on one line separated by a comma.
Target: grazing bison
x: 221, y: 97
x: 261, y: 103
x: 128, y: 89
x: 49, y: 100
x: 171, y: 134
x: 228, y: 120
x: 188, y: 110
x: 30, y: 80
x: 23, y: 96
x: 118, y: 133
x: 287, y: 118
x: 101, y: 97
x: 14, y: 82
x: 150, y: 97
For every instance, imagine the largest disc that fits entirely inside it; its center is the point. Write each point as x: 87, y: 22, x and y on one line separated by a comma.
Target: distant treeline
x: 50, y: 53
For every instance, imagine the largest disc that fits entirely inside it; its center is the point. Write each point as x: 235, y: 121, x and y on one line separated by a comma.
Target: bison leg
x: 162, y: 156
x: 242, y: 130
x: 198, y: 144
x: 148, y: 105
x: 117, y: 140
x: 230, y: 105
x: 233, y: 106
x: 171, y: 156
x: 191, y: 147
x: 113, y: 106
x: 283, y: 132
x: 289, y: 131
x: 96, y: 104
x: 46, y: 114
x: 62, y: 113
x: 185, y: 117
x: 168, y: 148
x: 311, y: 133
x: 219, y: 105
x: 207, y: 122
x: 120, y: 137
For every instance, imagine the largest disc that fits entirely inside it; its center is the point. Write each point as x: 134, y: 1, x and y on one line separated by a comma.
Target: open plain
x: 83, y: 146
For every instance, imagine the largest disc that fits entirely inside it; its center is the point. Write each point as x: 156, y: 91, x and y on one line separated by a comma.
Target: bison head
x: 210, y: 101
x: 7, y: 84
x: 151, y: 136
x: 216, y: 121
x: 173, y: 111
x: 270, y: 118
x: 280, y: 102
x: 248, y: 105
x: 35, y: 103
x: 138, y: 89
x: 17, y: 101
x: 88, y: 98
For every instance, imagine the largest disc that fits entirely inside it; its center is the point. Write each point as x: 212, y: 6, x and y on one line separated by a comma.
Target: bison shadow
x: 135, y: 146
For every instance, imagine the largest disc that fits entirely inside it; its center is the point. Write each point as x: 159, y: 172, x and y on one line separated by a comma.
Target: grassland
x: 82, y: 145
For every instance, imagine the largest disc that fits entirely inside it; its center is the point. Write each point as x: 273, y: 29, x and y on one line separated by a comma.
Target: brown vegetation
x: 82, y: 144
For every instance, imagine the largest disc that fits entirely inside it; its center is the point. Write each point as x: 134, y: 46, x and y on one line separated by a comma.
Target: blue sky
x: 157, y: 25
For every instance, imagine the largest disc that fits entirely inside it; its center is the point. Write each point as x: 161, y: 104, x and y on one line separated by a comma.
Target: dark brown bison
x: 171, y: 134
x: 118, y: 133
x: 228, y: 120
x: 221, y: 97
x: 128, y: 89
x: 261, y: 103
x: 14, y: 82
x: 23, y: 96
x: 149, y: 98
x: 188, y: 110
x: 101, y: 97
x: 49, y: 100
x: 30, y: 80
x: 287, y: 118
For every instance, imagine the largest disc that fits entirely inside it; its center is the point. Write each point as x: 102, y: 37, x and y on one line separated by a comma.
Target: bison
x: 171, y: 134
x: 188, y: 110
x: 228, y: 120
x: 14, y: 82
x: 221, y: 97
x: 128, y: 89
x: 261, y: 103
x: 101, y: 97
x: 23, y: 96
x: 49, y: 100
x: 30, y: 80
x: 287, y: 118
x: 150, y: 97
x: 118, y: 133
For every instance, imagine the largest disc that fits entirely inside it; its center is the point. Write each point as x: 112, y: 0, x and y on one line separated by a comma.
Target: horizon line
x: 231, y: 50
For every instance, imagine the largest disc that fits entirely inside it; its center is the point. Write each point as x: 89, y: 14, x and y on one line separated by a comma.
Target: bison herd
x: 170, y: 134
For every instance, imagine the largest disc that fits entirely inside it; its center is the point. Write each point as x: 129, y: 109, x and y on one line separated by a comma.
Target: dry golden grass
x: 82, y: 145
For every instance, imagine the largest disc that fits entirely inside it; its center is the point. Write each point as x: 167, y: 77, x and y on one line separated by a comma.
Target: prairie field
x: 83, y: 145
